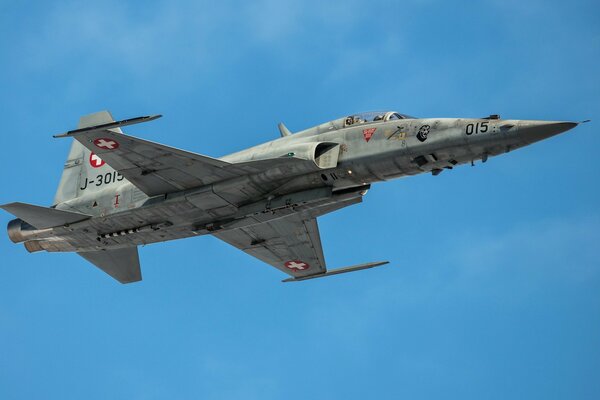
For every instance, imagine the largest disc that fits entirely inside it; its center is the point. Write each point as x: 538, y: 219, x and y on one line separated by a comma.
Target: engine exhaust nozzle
x: 20, y: 231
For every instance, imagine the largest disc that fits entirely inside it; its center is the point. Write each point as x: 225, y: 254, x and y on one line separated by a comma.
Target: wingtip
x: 337, y: 271
x: 109, y: 125
x: 4, y: 206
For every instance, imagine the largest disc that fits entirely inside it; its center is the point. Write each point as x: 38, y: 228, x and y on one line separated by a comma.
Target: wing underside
x: 291, y: 244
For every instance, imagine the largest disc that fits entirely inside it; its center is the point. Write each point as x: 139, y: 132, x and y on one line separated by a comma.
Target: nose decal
x: 423, y: 132
x: 368, y: 133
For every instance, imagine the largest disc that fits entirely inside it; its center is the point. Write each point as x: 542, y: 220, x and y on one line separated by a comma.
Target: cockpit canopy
x: 355, y: 120
x: 374, y: 116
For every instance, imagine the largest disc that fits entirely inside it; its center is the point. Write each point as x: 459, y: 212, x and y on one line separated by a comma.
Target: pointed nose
x: 533, y: 131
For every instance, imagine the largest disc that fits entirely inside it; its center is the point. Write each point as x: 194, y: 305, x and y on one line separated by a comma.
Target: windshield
x: 374, y: 116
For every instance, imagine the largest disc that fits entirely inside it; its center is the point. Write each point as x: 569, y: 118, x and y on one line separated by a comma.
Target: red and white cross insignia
x: 367, y: 133
x: 96, y: 161
x: 107, y: 144
x: 297, y: 265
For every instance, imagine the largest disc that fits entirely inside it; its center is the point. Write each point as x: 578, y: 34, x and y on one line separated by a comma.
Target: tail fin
x: 83, y: 166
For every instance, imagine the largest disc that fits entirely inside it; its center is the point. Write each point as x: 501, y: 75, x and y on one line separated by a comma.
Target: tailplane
x: 43, y: 217
x: 122, y: 264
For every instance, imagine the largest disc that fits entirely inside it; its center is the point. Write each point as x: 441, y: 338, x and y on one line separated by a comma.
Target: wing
x: 291, y: 244
x: 154, y: 168
x: 122, y: 264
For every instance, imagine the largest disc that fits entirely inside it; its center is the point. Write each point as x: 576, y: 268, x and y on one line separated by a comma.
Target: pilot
x: 378, y: 118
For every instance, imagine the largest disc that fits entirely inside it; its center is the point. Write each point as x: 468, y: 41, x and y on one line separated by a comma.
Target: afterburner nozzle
x: 19, y: 230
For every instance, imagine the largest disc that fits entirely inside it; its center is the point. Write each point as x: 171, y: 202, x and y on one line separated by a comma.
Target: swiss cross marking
x: 368, y: 133
x: 95, y: 161
x: 297, y: 265
x: 107, y: 144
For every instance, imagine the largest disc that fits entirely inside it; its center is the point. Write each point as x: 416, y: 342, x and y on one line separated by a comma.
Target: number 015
x: 480, y: 127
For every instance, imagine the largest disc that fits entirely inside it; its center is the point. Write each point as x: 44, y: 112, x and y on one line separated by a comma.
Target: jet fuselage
x: 343, y: 158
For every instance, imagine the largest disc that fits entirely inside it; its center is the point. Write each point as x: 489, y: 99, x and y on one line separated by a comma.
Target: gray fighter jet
x: 118, y: 192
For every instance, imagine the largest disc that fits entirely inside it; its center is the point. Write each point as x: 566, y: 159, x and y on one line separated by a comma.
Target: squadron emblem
x: 423, y: 132
x: 368, y: 133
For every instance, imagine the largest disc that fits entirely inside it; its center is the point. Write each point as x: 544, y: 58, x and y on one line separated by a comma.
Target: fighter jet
x: 118, y: 192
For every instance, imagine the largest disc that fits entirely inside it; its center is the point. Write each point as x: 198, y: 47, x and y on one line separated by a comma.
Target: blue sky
x: 494, y: 282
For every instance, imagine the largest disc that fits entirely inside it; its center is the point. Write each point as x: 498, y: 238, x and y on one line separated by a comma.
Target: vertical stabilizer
x: 84, y: 171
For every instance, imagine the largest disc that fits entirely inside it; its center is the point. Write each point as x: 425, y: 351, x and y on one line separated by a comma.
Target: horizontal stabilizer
x: 338, y: 271
x: 43, y: 217
x: 122, y: 264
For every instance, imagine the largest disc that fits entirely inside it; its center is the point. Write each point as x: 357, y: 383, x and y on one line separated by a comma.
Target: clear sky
x: 493, y: 291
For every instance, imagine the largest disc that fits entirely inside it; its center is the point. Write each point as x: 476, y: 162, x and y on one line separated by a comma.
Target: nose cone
x: 533, y: 131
